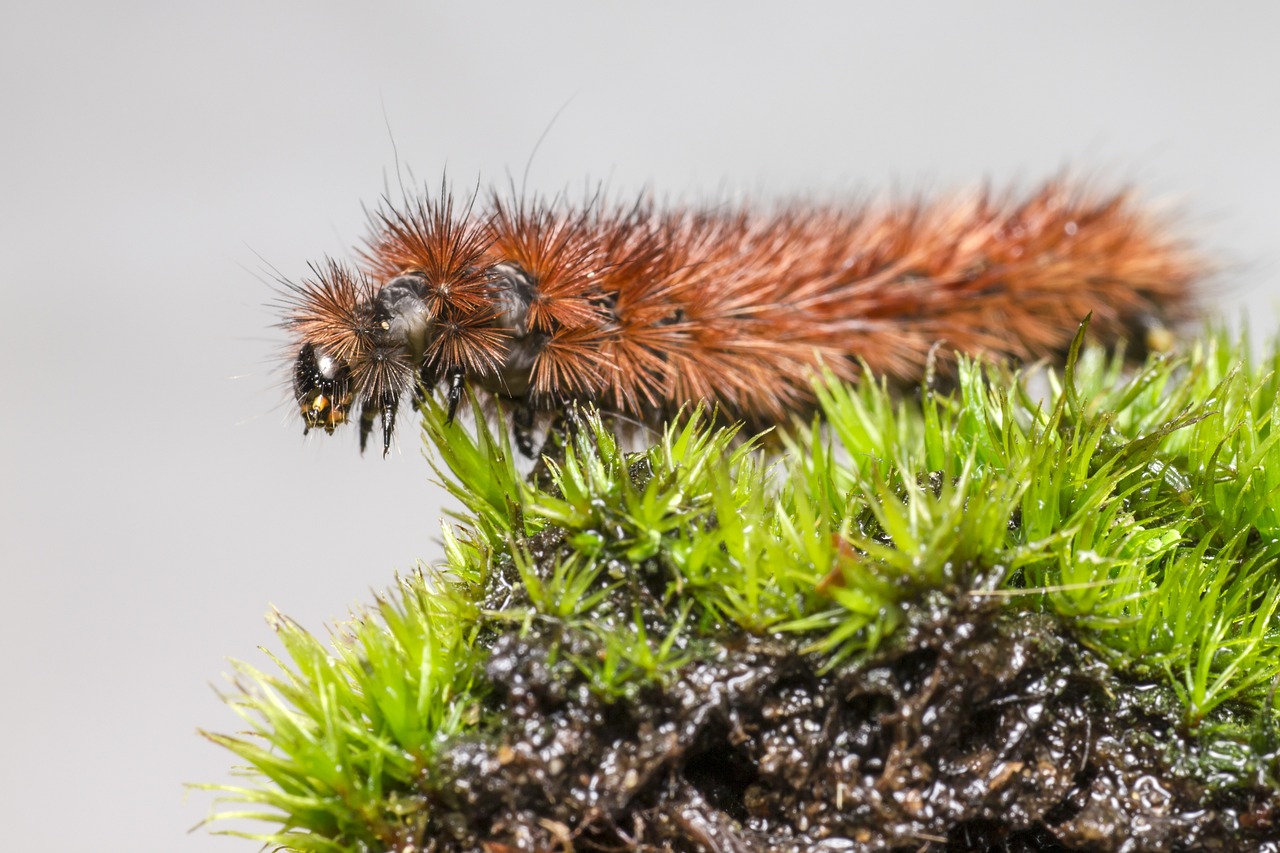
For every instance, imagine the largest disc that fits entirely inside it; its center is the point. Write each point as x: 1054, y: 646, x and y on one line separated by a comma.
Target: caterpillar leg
x: 454, y: 391
x: 389, y: 405
x: 386, y: 408
x: 522, y: 427
x: 367, y: 415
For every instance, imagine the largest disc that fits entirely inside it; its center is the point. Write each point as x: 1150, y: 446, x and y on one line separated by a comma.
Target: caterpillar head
x: 365, y: 345
x: 322, y: 386
x: 358, y: 346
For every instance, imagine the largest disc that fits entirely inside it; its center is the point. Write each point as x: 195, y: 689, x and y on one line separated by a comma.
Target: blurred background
x: 161, y: 162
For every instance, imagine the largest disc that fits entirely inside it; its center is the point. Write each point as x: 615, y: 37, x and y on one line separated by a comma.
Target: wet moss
x: 974, y: 620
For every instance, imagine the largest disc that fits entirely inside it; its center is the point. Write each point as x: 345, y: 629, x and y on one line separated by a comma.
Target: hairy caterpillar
x: 642, y: 309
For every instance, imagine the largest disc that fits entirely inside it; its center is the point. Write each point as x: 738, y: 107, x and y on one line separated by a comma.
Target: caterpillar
x: 642, y: 309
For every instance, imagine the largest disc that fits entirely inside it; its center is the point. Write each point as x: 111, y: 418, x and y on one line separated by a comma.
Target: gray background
x: 157, y: 160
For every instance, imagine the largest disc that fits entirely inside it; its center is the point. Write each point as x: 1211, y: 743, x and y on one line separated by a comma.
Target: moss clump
x: 541, y: 687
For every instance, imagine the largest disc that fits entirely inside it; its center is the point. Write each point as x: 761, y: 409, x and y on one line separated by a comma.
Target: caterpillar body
x: 641, y: 309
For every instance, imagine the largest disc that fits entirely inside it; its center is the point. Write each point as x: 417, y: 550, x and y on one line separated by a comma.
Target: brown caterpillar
x: 642, y: 309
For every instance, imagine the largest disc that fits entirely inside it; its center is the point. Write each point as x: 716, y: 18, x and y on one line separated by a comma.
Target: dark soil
x: 972, y: 731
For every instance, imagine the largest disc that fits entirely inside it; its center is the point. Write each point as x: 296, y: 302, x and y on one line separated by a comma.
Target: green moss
x: 1142, y: 507
x: 341, y: 741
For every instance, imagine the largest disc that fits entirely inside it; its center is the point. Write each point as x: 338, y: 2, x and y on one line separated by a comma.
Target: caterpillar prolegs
x: 641, y: 309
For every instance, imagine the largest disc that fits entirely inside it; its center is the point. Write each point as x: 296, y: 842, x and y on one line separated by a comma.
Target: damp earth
x: 972, y: 729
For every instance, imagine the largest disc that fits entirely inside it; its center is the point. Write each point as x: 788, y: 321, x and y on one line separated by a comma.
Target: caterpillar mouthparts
x: 641, y: 310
